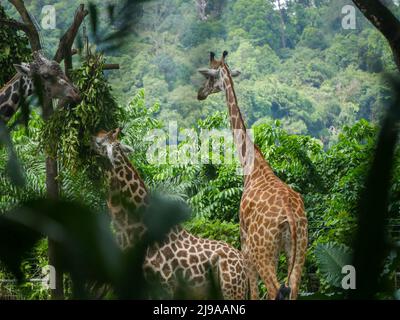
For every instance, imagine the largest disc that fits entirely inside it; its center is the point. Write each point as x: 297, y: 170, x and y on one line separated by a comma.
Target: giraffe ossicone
x: 180, y: 254
x: 55, y: 83
x: 272, y: 215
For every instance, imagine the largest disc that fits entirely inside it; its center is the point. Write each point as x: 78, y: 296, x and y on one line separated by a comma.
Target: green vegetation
x: 312, y: 92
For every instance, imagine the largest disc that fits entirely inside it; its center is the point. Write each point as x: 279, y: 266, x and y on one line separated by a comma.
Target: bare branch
x: 31, y: 30
x: 111, y: 66
x: 67, y: 40
x: 384, y: 21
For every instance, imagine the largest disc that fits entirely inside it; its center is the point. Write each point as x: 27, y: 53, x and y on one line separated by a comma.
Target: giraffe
x: 272, y: 215
x: 181, y: 253
x: 55, y: 83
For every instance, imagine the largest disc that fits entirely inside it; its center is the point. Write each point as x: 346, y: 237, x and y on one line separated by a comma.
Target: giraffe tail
x: 284, y: 290
x: 216, y: 291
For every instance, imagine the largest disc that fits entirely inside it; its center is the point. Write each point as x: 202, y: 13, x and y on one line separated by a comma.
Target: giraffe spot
x: 8, y: 92
x: 181, y: 254
x: 166, y: 270
x: 184, y: 263
x: 137, y: 198
x: 193, y: 259
x: 134, y: 187
x: 128, y: 175
x: 173, y: 236
x: 15, y: 86
x: 174, y: 263
x: 167, y: 252
x: 224, y: 266
x: 15, y: 98
x: 2, y: 99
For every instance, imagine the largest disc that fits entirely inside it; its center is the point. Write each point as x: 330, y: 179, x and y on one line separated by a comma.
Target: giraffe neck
x: 247, y: 151
x: 10, y: 95
x: 127, y: 194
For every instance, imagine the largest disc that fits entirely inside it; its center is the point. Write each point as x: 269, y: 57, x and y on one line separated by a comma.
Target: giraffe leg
x: 250, y: 266
x: 266, y: 262
x: 253, y: 280
x: 268, y: 275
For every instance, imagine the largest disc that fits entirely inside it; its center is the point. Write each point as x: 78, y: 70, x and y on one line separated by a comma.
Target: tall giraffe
x: 55, y: 83
x: 180, y: 253
x: 272, y: 215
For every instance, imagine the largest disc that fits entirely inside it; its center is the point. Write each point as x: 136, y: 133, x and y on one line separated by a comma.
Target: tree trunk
x: 283, y: 26
x: 65, y: 52
x: 53, y: 192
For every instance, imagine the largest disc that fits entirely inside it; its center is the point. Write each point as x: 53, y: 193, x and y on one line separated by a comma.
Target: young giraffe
x: 180, y: 253
x: 272, y: 215
x: 55, y: 83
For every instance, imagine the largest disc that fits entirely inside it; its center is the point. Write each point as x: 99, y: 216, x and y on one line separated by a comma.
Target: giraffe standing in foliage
x: 180, y: 254
x: 272, y: 215
x: 55, y: 83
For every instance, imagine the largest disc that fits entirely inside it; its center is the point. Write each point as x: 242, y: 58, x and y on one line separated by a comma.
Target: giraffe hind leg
x: 267, y: 261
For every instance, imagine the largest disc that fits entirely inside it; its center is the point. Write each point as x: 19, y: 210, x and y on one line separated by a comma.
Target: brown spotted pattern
x: 272, y: 215
x: 181, y: 256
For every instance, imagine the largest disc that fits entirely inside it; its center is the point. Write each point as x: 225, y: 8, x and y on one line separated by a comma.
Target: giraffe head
x: 107, y: 144
x: 55, y: 82
x: 214, y: 76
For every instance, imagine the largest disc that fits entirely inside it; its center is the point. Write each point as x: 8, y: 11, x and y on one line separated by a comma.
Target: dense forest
x: 312, y: 91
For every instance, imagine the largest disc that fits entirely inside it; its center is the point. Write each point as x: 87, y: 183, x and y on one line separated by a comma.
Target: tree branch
x: 67, y: 40
x: 384, y: 21
x: 31, y: 30
x: 111, y: 66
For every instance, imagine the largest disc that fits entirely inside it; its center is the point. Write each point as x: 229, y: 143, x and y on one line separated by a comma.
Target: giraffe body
x: 272, y: 216
x: 10, y: 95
x: 180, y: 255
x: 54, y: 81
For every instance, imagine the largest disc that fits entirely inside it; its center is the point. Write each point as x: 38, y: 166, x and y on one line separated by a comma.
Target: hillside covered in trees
x: 298, y: 63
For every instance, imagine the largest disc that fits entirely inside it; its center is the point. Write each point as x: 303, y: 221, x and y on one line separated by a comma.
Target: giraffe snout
x: 75, y: 96
x: 201, y: 95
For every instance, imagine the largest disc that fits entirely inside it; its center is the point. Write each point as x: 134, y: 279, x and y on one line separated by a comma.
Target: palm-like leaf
x: 331, y: 257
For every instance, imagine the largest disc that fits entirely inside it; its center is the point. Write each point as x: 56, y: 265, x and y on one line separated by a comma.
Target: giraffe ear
x: 23, y: 69
x: 208, y: 72
x: 235, y: 73
x: 115, y: 133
